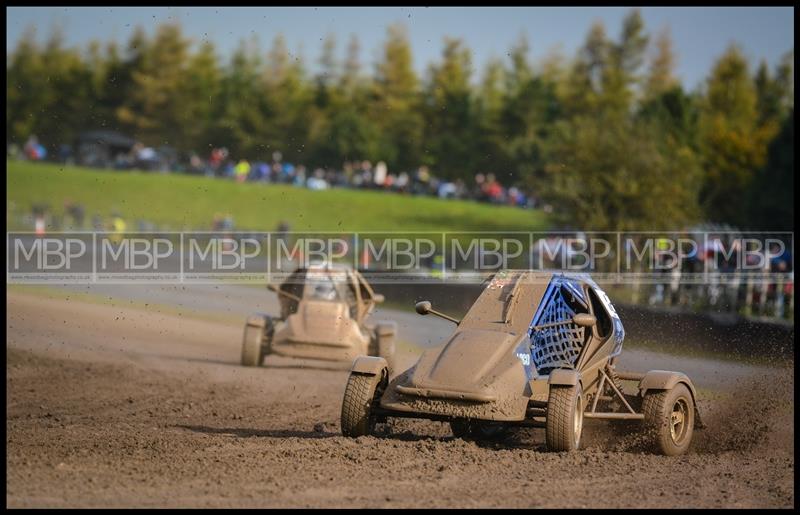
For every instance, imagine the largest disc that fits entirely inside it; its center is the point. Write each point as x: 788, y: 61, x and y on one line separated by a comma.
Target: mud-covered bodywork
x: 323, y: 316
x: 529, y: 340
x: 326, y: 323
x: 485, y: 368
x: 480, y: 371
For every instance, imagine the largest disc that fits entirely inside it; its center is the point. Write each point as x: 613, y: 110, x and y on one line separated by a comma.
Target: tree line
x: 609, y: 137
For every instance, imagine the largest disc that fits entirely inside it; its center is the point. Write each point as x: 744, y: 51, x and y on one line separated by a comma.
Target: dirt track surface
x: 120, y: 407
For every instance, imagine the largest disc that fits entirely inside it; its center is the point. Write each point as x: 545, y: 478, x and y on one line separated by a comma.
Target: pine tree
x: 733, y: 146
x: 491, y: 133
x: 242, y: 126
x: 771, y: 199
x: 621, y: 79
x: 450, y: 132
x: 202, y: 97
x: 26, y: 91
x: 288, y: 96
x: 156, y: 108
x: 661, y: 76
x: 530, y: 108
x: 396, y: 105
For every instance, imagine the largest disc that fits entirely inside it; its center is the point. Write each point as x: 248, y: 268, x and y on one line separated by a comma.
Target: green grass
x: 181, y: 202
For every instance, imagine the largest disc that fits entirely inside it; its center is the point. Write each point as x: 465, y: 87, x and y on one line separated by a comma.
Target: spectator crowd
x: 219, y: 163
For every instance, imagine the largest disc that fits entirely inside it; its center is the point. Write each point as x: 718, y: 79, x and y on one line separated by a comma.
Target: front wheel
x: 255, y: 343
x: 361, y: 396
x: 669, y: 419
x: 564, y: 423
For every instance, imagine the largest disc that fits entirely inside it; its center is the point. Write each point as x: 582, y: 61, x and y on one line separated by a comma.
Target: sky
x: 700, y: 34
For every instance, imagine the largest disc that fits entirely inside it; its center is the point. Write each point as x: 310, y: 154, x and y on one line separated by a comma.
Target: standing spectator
x: 401, y: 184
x: 242, y: 170
x: 423, y: 178
x: 380, y: 174
x: 117, y: 228
x: 33, y: 149
x: 217, y: 160
x: 39, y: 217
x: 262, y: 171
x: 492, y: 189
x: 480, y: 193
x: 195, y: 164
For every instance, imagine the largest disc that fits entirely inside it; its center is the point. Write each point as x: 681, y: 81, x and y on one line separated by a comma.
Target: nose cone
x: 467, y: 359
x: 322, y: 322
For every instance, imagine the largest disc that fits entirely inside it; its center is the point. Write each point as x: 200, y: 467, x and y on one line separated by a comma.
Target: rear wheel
x: 361, y: 396
x: 669, y: 419
x: 564, y: 424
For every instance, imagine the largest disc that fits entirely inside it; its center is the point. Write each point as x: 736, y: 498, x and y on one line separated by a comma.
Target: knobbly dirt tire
x: 669, y: 418
x: 252, y: 352
x: 564, y: 423
x: 360, y: 395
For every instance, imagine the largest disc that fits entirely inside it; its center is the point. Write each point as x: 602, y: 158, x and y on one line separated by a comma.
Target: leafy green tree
x: 664, y: 102
x: 202, y: 97
x: 47, y: 91
x: 610, y: 139
x: 622, y: 79
x: 395, y: 109
x: 118, y: 83
x: 352, y: 132
x: 450, y: 131
x: 774, y: 92
x: 287, y: 96
x: 26, y: 92
x: 771, y: 202
x: 156, y: 107
x: 607, y: 167
x: 242, y: 102
x: 582, y: 89
x: 661, y: 74
x: 350, y: 78
x: 339, y: 127
x: 491, y: 133
x: 102, y: 65
x: 529, y: 110
x: 322, y: 148
x: 618, y: 176
x: 733, y: 145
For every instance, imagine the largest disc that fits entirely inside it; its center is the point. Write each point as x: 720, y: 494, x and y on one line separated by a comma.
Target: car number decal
x: 606, y: 302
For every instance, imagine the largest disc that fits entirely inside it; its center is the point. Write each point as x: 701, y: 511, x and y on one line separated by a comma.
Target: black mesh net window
x: 558, y: 346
